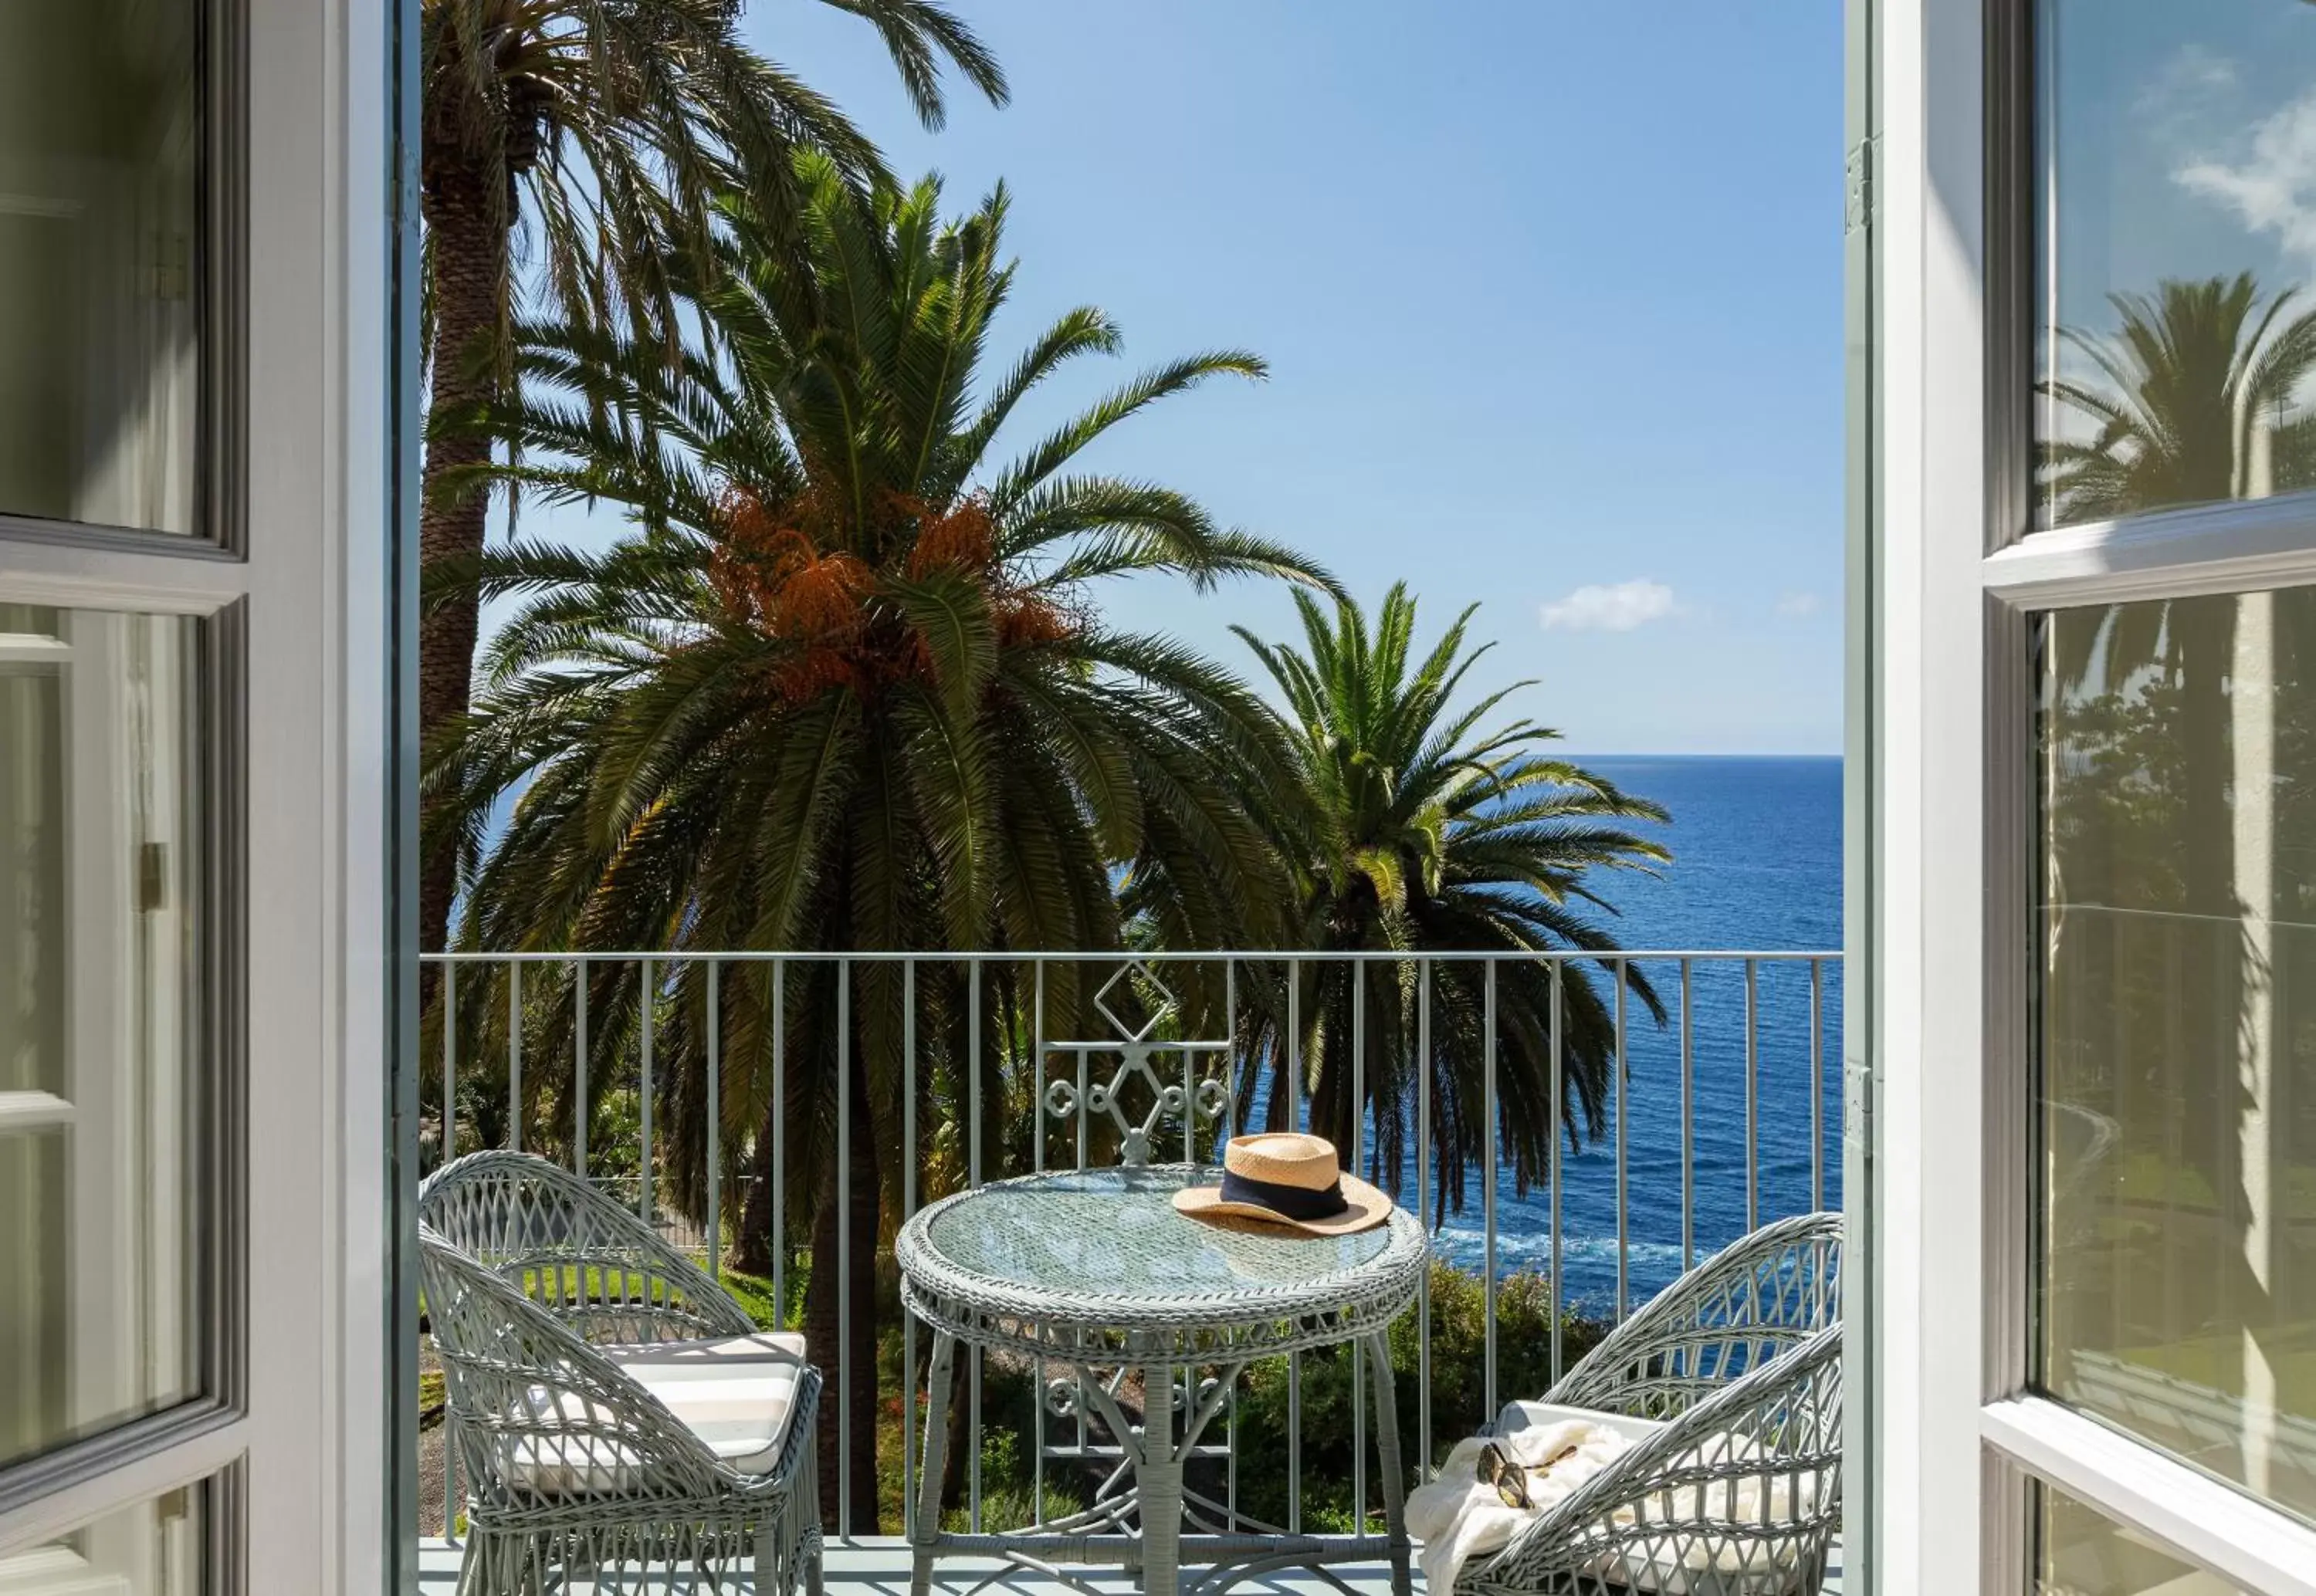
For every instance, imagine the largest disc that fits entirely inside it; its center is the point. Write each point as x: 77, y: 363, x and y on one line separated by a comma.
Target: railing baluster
x: 972, y: 1178
x: 1687, y: 1128
x: 1294, y: 1359
x: 908, y: 1212
x: 1294, y: 1044
x: 450, y: 1151
x: 1817, y: 1085
x: 514, y: 1056
x: 647, y: 996
x: 579, y: 1099
x: 1488, y: 1143
x: 1230, y: 1128
x: 1358, y: 1157
x: 780, y: 1175
x: 1082, y: 1114
x: 1423, y: 1212
x: 450, y: 1062
x: 1753, y: 1104
x: 842, y: 1197
x: 1624, y: 1191
x: 1559, y: 1136
x: 1038, y: 1163
x: 715, y: 1123
x: 1189, y: 1106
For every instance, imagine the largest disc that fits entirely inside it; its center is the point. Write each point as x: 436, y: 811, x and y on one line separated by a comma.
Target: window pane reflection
x: 2079, y: 1551
x: 2177, y: 244
x: 2178, y: 1028
x: 100, y: 921
x: 151, y: 1549
x: 100, y: 300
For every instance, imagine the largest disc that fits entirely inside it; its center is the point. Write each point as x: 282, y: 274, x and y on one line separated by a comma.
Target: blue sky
x: 1551, y: 293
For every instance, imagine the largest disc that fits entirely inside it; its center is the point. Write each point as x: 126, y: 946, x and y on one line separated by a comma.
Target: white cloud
x: 1618, y: 606
x: 2195, y: 79
x: 2274, y: 188
x: 1799, y: 604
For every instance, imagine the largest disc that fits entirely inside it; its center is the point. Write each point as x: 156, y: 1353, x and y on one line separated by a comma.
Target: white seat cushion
x: 736, y: 1393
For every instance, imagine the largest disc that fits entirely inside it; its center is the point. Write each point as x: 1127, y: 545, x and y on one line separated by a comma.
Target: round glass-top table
x: 1094, y: 1269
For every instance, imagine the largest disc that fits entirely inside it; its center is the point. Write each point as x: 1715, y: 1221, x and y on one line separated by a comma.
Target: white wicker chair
x: 616, y: 1412
x: 1740, y: 1493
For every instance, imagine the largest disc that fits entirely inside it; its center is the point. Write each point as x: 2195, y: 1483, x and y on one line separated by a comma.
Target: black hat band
x: 1292, y: 1203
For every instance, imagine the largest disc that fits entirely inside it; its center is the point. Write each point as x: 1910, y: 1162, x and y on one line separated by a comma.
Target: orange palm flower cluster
x: 781, y: 568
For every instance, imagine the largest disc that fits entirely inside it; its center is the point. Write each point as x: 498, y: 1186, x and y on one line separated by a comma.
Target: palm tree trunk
x: 469, y: 250
x: 753, y: 1253
x: 861, y: 1202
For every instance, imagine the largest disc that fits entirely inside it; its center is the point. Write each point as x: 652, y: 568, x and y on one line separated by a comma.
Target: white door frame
x: 1960, y: 1435
x: 299, y: 648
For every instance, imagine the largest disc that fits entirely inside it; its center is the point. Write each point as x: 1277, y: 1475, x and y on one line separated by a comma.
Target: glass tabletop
x: 1115, y: 1232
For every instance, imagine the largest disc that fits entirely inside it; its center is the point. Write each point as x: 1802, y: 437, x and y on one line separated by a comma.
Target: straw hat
x: 1289, y: 1179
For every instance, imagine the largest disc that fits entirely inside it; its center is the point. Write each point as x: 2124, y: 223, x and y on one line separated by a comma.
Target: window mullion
x: 2225, y: 548
x: 2203, y: 1520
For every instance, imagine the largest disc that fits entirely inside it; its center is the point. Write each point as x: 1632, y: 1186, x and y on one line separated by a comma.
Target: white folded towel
x: 1458, y: 1515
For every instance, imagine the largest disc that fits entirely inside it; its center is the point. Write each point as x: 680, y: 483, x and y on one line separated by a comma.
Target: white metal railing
x: 1758, y: 1016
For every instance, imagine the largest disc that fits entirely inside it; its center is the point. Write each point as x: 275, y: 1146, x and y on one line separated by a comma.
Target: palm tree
x: 597, y: 120
x: 846, y: 686
x: 2187, y: 403
x: 1409, y: 829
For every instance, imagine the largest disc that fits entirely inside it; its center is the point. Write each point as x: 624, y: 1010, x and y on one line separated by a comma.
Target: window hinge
x: 1859, y: 1087
x: 1858, y: 188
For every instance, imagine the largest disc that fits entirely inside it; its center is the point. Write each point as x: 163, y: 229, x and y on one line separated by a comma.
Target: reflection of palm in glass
x: 2191, y: 403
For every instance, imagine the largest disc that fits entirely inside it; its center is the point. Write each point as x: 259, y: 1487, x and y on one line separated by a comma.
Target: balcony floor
x: 880, y: 1567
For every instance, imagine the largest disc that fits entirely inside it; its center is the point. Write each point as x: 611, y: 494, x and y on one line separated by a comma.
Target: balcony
x: 1640, y: 1111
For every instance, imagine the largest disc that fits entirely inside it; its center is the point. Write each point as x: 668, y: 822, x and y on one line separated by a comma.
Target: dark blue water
x: 1757, y: 845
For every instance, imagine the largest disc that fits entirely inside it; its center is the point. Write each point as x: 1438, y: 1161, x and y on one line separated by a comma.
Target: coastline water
x: 1757, y: 845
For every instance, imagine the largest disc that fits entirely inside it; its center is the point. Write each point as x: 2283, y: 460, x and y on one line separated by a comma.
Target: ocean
x: 1757, y: 865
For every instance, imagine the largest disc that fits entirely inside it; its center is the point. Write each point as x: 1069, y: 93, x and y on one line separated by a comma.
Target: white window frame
x: 295, y: 574
x: 1959, y: 1437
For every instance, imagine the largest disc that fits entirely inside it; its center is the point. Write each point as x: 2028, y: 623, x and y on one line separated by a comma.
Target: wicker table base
x: 1155, y: 1500
x: 1178, y: 1297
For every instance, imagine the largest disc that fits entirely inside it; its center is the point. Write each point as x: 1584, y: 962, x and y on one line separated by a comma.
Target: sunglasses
x: 1510, y: 1478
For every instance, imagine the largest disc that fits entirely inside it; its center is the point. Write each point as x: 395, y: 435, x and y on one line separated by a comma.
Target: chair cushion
x: 735, y: 1393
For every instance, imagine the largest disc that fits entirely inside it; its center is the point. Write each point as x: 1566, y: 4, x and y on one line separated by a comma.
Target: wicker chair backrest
x: 586, y: 1258
x: 1753, y: 1301
x: 536, y: 1411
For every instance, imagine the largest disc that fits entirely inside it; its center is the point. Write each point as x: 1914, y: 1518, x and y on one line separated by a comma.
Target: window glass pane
x: 2176, y: 1069
x: 2079, y: 1551
x: 100, y: 1030
x: 2176, y: 229
x: 151, y: 1549
x: 100, y: 175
